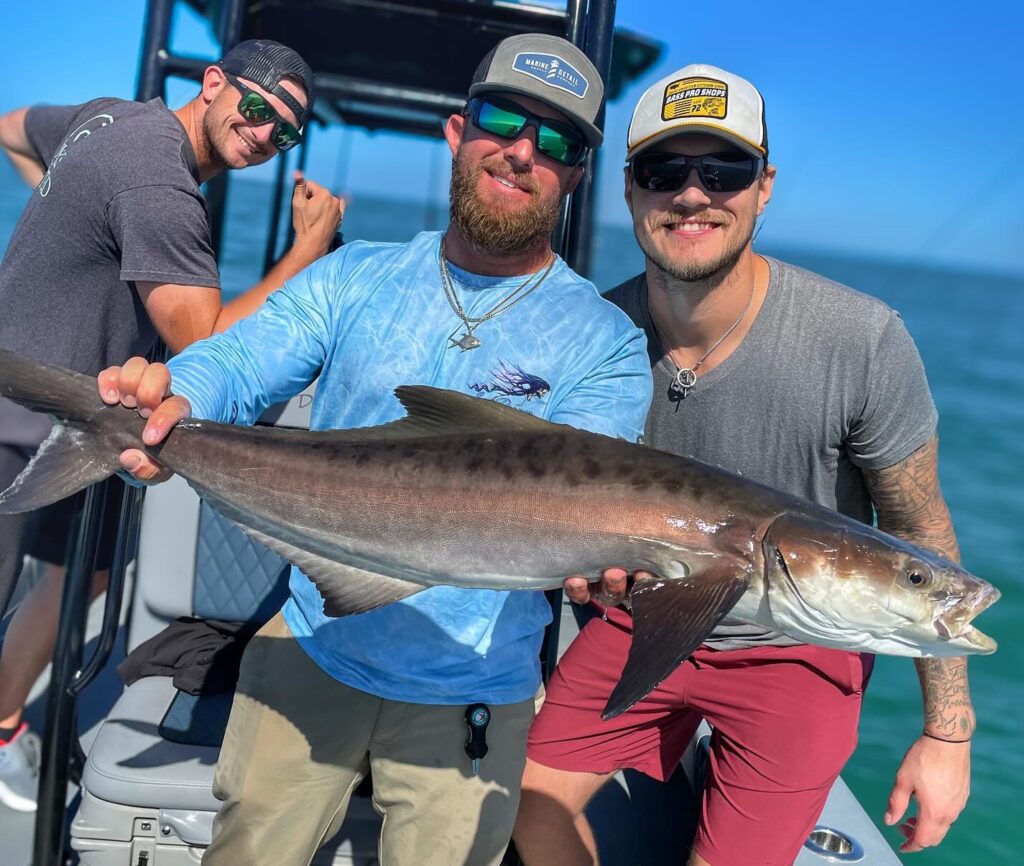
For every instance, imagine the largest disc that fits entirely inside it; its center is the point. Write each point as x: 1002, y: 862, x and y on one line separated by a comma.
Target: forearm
x: 18, y: 150
x: 266, y: 358
x: 910, y: 505
x: 301, y: 255
x: 31, y: 170
x: 948, y: 714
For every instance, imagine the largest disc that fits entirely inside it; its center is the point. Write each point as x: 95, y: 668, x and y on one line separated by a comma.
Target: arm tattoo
x: 909, y: 505
x: 947, y: 697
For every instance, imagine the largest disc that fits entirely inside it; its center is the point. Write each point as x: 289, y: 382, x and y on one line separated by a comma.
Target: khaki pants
x: 299, y: 742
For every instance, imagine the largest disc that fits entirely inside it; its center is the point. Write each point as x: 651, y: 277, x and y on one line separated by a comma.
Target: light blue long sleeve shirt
x: 366, y: 319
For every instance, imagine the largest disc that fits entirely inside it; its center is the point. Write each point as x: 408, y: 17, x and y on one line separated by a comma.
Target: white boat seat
x: 158, y: 746
x: 132, y: 763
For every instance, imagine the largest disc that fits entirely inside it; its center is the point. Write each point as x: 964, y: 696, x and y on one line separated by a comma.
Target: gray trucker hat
x: 265, y: 62
x: 547, y: 68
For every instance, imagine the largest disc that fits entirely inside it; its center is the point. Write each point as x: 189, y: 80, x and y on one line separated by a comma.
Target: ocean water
x: 969, y: 328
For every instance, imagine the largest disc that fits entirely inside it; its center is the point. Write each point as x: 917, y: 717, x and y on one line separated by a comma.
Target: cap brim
x: 694, y: 127
x: 591, y: 133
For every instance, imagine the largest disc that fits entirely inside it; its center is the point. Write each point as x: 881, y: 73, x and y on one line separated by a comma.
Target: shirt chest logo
x: 509, y: 382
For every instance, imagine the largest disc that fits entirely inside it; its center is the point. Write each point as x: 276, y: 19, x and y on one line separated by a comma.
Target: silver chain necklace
x: 469, y: 340
x: 686, y: 377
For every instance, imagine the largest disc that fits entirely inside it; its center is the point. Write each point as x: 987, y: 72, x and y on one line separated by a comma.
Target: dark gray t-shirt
x: 120, y: 202
x: 827, y: 382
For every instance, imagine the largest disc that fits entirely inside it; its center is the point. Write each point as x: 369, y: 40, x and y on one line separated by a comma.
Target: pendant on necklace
x: 465, y: 342
x: 684, y: 381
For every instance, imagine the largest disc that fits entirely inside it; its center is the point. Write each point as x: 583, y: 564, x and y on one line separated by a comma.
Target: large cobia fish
x: 469, y: 493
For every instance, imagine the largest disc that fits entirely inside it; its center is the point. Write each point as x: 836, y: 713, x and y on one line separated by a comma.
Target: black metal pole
x: 60, y: 730
x: 575, y: 21
x: 156, y: 37
x: 597, y: 43
x: 127, y: 537
x: 575, y: 28
x: 591, y: 27
x: 232, y: 17
x: 276, y: 203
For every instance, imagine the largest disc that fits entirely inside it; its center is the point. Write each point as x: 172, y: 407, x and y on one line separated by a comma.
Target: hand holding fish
x: 609, y: 591
x: 147, y: 388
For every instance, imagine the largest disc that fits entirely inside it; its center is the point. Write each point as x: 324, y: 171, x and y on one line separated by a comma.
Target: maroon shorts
x: 784, y: 722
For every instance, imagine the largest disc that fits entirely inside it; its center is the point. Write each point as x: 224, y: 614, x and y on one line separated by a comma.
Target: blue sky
x: 897, y: 127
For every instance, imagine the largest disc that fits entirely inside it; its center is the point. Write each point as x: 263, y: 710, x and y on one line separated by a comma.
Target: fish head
x: 840, y: 583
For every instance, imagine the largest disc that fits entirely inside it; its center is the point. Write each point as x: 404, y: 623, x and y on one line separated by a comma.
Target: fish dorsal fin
x: 671, y: 618
x: 436, y: 410
x: 431, y: 412
x: 345, y: 589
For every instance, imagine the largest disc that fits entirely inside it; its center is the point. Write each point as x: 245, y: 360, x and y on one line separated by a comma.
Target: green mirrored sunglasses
x: 254, y: 107
x: 507, y: 119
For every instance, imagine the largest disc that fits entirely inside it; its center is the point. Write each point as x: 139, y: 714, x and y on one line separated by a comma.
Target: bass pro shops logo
x: 553, y: 71
x: 695, y: 97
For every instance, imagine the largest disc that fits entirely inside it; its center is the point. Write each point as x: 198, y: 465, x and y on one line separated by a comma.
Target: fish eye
x: 917, y: 578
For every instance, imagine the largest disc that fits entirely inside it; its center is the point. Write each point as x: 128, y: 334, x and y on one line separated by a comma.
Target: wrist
x: 307, y: 248
x: 944, y: 739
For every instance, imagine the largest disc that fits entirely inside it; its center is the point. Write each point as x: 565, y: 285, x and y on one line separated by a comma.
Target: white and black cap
x: 547, y: 68
x: 700, y: 98
x: 266, y: 62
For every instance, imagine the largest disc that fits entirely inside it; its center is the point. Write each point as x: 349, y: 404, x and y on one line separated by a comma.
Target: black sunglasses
x: 506, y: 119
x: 256, y: 110
x: 730, y: 171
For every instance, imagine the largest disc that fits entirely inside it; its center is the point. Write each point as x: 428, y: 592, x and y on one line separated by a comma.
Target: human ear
x: 765, y: 184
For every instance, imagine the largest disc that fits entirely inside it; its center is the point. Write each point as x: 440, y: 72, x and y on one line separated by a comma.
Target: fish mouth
x: 955, y: 624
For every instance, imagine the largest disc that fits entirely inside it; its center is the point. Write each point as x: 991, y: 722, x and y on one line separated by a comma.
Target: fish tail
x: 80, y: 449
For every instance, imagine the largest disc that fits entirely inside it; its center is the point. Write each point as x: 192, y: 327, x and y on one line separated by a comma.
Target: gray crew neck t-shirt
x: 826, y: 383
x: 120, y: 202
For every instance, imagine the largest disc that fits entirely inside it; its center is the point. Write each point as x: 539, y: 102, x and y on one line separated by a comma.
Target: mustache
x: 672, y: 217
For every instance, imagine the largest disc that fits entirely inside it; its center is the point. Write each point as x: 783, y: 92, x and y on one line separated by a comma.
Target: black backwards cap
x: 265, y: 62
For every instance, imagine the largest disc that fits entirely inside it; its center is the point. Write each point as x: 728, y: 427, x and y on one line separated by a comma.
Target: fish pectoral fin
x: 671, y: 618
x: 345, y: 589
x: 664, y: 558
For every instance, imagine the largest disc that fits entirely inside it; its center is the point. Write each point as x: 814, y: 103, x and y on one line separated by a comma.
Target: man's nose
x: 524, y: 149
x: 262, y: 133
x: 693, y: 193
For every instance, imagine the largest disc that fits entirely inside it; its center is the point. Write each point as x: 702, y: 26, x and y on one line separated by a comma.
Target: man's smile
x: 508, y: 183
x: 249, y: 144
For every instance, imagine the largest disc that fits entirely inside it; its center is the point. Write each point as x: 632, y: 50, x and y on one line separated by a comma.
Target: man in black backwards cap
x: 113, y: 249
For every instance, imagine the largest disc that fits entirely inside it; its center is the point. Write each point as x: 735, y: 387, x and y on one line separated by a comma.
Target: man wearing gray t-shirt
x: 114, y: 248
x: 794, y: 381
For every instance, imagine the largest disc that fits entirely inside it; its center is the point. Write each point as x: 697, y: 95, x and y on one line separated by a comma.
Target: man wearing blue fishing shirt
x: 486, y: 308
